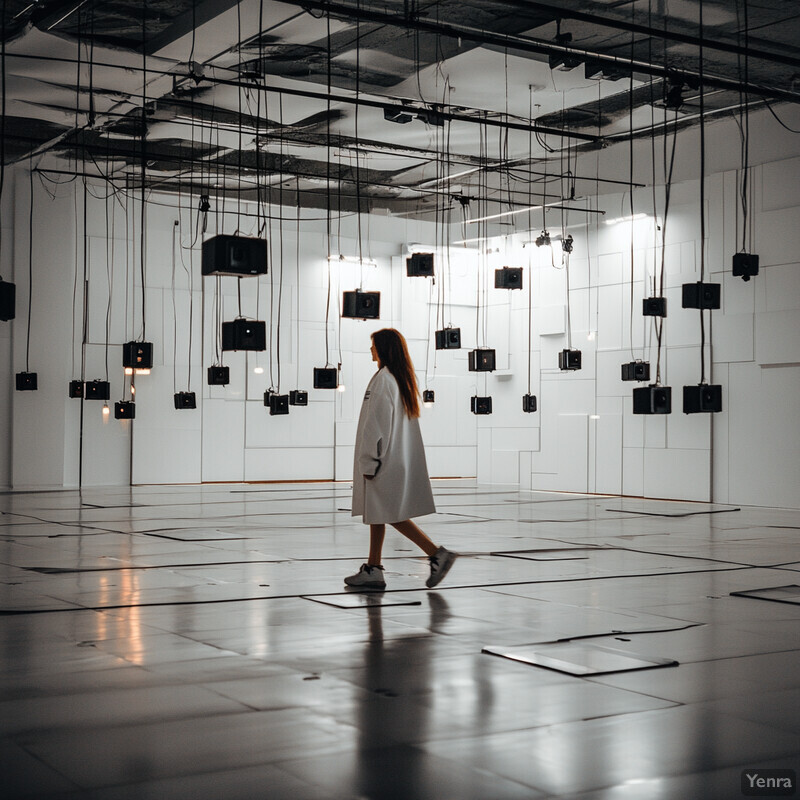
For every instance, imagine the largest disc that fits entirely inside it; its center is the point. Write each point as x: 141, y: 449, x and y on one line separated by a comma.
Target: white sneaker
x: 368, y: 577
x: 440, y: 561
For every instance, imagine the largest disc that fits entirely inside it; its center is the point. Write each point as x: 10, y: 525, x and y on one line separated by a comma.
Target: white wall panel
x: 778, y: 337
x: 223, y: 440
x: 671, y: 474
x: 290, y: 463
x: 633, y: 471
x: 607, y: 466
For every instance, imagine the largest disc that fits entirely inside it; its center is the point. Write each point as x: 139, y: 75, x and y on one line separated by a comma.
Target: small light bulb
x: 259, y: 370
x: 133, y: 390
x: 106, y: 412
x: 129, y: 370
x: 428, y: 405
x: 340, y: 387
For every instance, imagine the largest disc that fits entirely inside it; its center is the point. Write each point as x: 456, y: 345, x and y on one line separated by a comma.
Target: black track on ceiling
x: 541, y: 47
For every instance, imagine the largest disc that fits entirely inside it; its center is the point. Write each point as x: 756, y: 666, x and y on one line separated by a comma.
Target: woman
x: 390, y: 476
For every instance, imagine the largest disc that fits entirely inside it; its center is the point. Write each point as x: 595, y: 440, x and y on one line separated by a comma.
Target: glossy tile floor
x: 161, y: 642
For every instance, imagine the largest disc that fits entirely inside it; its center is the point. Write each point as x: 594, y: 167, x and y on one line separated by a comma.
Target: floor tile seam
x: 14, y: 612
x: 31, y: 754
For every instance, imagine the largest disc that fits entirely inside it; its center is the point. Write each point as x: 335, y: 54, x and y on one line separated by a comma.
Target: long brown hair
x: 393, y: 354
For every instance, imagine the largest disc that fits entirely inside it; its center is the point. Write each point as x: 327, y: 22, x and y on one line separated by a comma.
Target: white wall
x: 583, y: 438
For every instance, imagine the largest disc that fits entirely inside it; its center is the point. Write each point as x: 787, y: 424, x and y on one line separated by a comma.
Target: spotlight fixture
x: 234, y: 255
x: 703, y: 398
x: 636, y: 371
x: 244, y: 334
x: 326, y: 377
x: 137, y: 356
x: 529, y: 403
x: 654, y: 307
x: 652, y: 400
x: 278, y: 404
x: 480, y: 405
x: 219, y: 376
x: 543, y: 239
x: 745, y: 265
x: 395, y: 114
x: 76, y: 390
x: 428, y: 397
x: 605, y: 70
x: 701, y: 295
x: 126, y: 409
x: 419, y: 265
x: 298, y: 397
x: 185, y: 400
x: 361, y: 305
x: 508, y: 278
x: 568, y: 244
x: 448, y: 339
x: 27, y: 381
x: 8, y: 295
x: 97, y: 390
x: 569, y: 360
x: 564, y: 62
x: 482, y: 359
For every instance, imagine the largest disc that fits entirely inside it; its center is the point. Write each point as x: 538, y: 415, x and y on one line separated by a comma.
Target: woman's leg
x: 412, y: 532
x: 376, y: 535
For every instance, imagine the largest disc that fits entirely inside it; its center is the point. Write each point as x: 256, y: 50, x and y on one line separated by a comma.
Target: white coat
x: 389, y: 447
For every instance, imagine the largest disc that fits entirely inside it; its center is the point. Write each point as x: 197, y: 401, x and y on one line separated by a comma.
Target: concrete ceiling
x: 409, y: 106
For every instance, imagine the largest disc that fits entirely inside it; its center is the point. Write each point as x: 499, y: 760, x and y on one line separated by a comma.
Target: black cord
x: 30, y: 272
x: 702, y: 199
x: 143, y: 220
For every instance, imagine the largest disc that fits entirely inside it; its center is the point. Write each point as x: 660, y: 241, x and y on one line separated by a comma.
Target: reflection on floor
x: 169, y: 642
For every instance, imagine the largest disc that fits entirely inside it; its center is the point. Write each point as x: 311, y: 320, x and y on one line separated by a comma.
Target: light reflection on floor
x: 156, y: 643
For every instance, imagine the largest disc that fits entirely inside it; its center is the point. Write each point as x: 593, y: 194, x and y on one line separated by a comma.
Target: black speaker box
x: 703, y: 398
x: 219, y: 376
x: 27, y: 381
x: 298, y: 397
x: 234, y: 255
x: 636, y: 371
x: 278, y: 403
x: 419, y: 265
x: 701, y: 295
x: 654, y: 307
x: 652, y: 400
x: 125, y: 410
x: 137, y: 355
x: 745, y: 265
x: 569, y: 360
x: 361, y: 305
x: 76, y: 389
x: 529, y: 403
x: 480, y: 405
x: 448, y: 339
x: 325, y: 378
x: 244, y: 334
x: 8, y: 301
x: 428, y: 396
x: 185, y: 400
x: 97, y: 390
x: 508, y: 278
x: 482, y: 360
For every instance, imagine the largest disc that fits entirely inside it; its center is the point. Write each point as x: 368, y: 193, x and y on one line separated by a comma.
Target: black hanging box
x: 419, y: 265
x: 244, y: 334
x: 277, y: 403
x: 448, y: 339
x: 219, y: 376
x: 27, y: 381
x: 745, y: 265
x: 298, y: 397
x: 652, y: 400
x: 125, y: 409
x: 428, y: 396
x: 97, y: 390
x: 703, y: 398
x: 654, y: 307
x: 184, y: 400
x: 137, y: 355
x: 636, y: 371
x: 508, y: 278
x: 480, y: 405
x: 325, y: 378
x: 234, y: 255
x: 76, y: 389
x: 529, y: 403
x: 482, y: 360
x: 8, y: 296
x: 361, y: 305
x: 701, y: 295
x: 569, y: 360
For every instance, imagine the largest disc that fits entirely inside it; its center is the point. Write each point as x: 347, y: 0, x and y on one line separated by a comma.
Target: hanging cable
x: 702, y: 199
